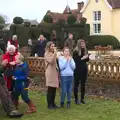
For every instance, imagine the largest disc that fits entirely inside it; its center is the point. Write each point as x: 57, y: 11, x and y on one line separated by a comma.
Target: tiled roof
x: 114, y: 3
x: 57, y: 16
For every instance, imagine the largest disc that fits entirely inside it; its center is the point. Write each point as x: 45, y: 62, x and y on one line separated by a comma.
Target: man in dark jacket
x: 5, y: 98
x: 39, y: 48
x: 69, y: 42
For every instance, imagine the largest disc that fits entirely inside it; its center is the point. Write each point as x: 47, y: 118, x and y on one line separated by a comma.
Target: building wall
x: 116, y: 23
x: 106, y: 16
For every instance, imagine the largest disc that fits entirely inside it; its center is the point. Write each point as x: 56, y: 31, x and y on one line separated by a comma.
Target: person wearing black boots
x: 80, y: 56
x: 51, y: 74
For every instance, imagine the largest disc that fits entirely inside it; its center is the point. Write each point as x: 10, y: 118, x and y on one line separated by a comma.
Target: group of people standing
x: 38, y: 49
x: 64, y: 70
x: 60, y: 71
x: 14, y: 81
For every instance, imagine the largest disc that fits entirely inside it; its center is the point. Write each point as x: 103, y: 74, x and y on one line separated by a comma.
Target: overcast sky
x: 33, y: 9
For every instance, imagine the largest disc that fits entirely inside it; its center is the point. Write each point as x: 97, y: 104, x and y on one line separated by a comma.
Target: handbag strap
x: 46, y: 66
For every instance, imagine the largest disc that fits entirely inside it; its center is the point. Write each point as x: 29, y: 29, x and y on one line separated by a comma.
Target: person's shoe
x: 50, y: 107
x: 15, y: 114
x: 77, y: 102
x: 68, y: 105
x: 31, y: 108
x: 82, y: 101
x: 55, y: 106
x: 62, y: 104
x: 16, y: 103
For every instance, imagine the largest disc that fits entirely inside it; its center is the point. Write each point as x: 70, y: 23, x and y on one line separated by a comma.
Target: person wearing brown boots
x: 22, y: 84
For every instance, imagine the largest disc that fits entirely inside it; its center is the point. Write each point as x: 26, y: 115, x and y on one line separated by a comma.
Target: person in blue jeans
x: 67, y: 66
x: 22, y: 84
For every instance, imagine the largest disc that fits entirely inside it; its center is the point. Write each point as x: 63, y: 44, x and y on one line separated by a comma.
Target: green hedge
x: 22, y: 32
x: 18, y: 20
x: 48, y: 19
x: 102, y: 40
x: 25, y: 32
x: 71, y: 19
x: 1, y: 26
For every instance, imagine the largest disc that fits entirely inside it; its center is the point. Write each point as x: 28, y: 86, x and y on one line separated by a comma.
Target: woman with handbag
x: 51, y: 74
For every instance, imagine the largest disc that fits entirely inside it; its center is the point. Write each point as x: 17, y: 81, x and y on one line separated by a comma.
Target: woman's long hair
x: 78, y: 47
x: 47, y: 49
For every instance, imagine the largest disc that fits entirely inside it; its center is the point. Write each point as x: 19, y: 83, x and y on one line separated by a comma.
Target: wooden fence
x: 98, y: 71
x: 104, y: 71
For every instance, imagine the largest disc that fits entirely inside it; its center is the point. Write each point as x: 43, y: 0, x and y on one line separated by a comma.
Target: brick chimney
x: 80, y: 5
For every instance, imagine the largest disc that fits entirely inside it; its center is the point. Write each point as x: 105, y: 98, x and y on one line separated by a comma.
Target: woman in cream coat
x: 51, y: 74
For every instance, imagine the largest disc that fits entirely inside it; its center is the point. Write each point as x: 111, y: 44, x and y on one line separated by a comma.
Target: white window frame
x: 96, y: 29
x: 97, y: 15
x: 97, y: 22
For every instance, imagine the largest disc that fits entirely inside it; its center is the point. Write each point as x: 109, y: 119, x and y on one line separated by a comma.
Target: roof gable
x: 67, y: 10
x: 112, y: 4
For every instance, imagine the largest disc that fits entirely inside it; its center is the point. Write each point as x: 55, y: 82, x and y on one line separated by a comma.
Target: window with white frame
x: 97, y: 15
x: 97, y: 28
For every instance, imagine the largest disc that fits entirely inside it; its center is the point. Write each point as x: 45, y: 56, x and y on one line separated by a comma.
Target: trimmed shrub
x: 17, y: 20
x: 88, y: 28
x: 27, y: 24
x: 48, y: 19
x: 83, y: 20
x: 61, y: 22
x: 1, y: 26
x: 102, y: 40
x: 24, y: 33
x: 71, y: 19
x: 2, y: 21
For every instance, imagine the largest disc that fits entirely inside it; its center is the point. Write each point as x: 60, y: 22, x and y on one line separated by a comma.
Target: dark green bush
x: 2, y: 21
x: 27, y: 24
x: 24, y: 33
x: 83, y: 20
x: 17, y: 20
x: 1, y: 26
x: 61, y: 22
x: 71, y: 19
x: 48, y: 19
x: 102, y: 40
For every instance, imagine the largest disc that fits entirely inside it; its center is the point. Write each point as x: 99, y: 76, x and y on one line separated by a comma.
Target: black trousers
x: 80, y: 79
x: 51, y: 93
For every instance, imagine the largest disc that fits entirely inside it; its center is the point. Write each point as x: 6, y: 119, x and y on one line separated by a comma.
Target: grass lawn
x: 93, y: 110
